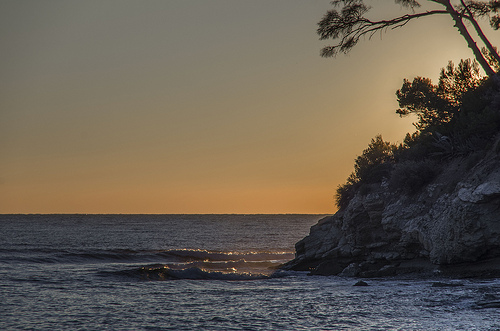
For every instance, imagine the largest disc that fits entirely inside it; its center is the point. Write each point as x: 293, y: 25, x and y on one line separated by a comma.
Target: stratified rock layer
x: 450, y: 226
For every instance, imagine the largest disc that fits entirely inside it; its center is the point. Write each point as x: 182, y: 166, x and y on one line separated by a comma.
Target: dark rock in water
x: 440, y: 284
x: 450, y: 227
x: 361, y: 283
x: 487, y: 268
x: 327, y: 268
x: 489, y: 304
x: 489, y: 300
x: 377, y: 269
x: 352, y: 270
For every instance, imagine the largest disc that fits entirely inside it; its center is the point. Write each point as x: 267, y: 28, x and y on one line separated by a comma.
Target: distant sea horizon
x: 153, y: 214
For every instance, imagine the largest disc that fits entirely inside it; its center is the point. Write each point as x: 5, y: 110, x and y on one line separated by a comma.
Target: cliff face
x: 452, y: 225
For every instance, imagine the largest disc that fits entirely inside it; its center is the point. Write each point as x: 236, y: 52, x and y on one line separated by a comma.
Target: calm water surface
x: 205, y: 272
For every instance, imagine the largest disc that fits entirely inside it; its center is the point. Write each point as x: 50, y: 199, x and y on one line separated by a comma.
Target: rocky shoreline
x: 451, y: 227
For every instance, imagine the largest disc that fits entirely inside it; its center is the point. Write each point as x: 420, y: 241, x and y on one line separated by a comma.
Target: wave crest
x: 161, y: 273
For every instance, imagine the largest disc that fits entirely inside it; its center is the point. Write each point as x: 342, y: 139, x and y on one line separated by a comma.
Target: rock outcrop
x: 451, y: 226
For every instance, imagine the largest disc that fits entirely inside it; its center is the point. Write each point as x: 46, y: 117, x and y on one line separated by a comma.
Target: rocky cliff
x: 450, y: 226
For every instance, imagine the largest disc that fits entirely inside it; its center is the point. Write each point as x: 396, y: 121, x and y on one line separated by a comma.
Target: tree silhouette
x: 370, y: 167
x: 436, y: 105
x: 349, y: 24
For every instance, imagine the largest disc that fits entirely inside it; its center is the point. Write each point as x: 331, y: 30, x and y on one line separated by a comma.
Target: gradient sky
x: 195, y: 106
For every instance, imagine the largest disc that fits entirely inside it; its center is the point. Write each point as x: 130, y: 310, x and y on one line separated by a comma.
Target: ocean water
x: 206, y: 272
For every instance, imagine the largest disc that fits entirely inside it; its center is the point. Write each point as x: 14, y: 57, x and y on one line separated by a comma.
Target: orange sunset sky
x: 196, y: 106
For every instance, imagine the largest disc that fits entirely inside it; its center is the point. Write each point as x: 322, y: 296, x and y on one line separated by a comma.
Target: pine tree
x: 349, y: 24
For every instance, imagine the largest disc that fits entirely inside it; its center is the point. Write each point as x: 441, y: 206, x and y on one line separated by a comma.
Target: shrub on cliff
x: 344, y: 194
x: 415, y: 146
x: 370, y: 167
x: 479, y: 117
x: 411, y: 176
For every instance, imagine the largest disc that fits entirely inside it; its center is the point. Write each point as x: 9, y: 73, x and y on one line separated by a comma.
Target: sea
x: 207, y: 272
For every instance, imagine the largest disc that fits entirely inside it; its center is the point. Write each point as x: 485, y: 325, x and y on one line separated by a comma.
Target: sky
x: 196, y: 106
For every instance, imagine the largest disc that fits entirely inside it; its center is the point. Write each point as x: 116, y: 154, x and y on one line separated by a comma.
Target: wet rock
x: 441, y: 284
x: 361, y: 283
x: 327, y: 268
x: 386, y: 271
x: 489, y: 304
x: 352, y: 270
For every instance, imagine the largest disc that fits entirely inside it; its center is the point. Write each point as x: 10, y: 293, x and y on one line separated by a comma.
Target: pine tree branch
x: 350, y: 28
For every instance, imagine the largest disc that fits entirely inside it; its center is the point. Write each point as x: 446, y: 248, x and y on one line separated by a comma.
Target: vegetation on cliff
x: 457, y: 117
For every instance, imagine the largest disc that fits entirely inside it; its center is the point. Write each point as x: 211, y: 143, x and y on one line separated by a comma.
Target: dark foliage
x: 416, y: 146
x: 348, y: 22
x: 370, y: 167
x: 345, y: 193
x: 412, y: 176
x: 435, y: 105
x: 457, y: 117
x: 489, y: 9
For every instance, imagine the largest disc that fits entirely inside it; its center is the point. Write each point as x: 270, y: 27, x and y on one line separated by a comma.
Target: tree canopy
x: 369, y: 167
x: 457, y: 117
x: 348, y: 23
x: 435, y: 105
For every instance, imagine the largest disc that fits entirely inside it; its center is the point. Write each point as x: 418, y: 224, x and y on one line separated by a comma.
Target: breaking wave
x: 163, y: 264
x: 204, y: 264
x: 164, y: 272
